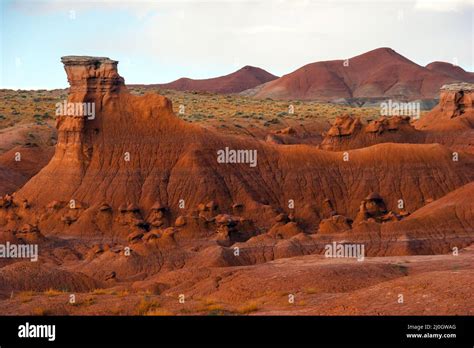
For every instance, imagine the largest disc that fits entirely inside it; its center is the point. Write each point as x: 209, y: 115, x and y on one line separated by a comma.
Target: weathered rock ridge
x: 350, y: 133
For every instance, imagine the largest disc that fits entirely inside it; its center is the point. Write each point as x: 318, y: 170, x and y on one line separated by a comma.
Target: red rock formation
x: 455, y: 110
x: 135, y: 168
x: 451, y: 122
x: 349, y: 133
x: 373, y: 209
x: 148, y: 183
x: 335, y: 224
x: 344, y: 125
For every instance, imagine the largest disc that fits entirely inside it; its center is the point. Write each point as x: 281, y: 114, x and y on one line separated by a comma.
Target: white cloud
x: 444, y: 5
x: 195, y: 37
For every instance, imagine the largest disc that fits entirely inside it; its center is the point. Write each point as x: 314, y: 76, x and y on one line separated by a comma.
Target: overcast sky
x: 160, y: 41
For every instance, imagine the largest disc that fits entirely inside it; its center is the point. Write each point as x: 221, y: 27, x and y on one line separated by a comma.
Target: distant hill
x: 379, y: 73
x: 240, y: 80
x: 454, y: 71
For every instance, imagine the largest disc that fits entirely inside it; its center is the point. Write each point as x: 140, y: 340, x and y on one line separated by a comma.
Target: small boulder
x: 105, y: 207
x: 29, y: 228
x: 286, y: 131
x: 111, y: 275
x: 97, y: 249
x: 283, y: 218
x: 211, y: 206
x: 225, y: 220
x: 158, y: 207
x: 151, y: 236
x: 237, y: 206
x: 335, y: 224
x: 135, y: 236
x: 122, y: 208
x: 133, y: 208
x: 68, y: 220
x: 180, y: 221
x: 116, y: 249
x: 54, y: 205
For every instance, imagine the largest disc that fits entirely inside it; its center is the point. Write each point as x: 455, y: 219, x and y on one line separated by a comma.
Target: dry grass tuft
x: 145, y: 306
x: 53, y: 292
x: 248, y: 308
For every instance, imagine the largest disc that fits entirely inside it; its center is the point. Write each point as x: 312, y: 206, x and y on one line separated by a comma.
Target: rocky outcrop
x: 345, y: 126
x: 373, y: 209
x: 388, y: 124
x: 348, y: 133
x: 91, y: 77
x: 455, y: 110
x: 450, y: 123
x: 335, y: 224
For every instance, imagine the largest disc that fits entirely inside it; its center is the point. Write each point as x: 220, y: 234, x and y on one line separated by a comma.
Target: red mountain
x: 451, y: 70
x: 381, y: 73
x: 240, y: 80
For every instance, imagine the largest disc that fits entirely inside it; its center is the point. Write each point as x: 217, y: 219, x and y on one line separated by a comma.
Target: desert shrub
x: 145, y: 306
x: 248, y: 308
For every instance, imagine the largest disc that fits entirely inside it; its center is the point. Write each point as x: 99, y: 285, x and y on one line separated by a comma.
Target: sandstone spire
x: 90, y: 77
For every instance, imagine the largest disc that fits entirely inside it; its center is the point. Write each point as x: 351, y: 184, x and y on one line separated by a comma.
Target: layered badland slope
x: 20, y: 163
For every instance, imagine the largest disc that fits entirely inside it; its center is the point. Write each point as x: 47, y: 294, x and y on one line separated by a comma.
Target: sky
x: 160, y: 41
